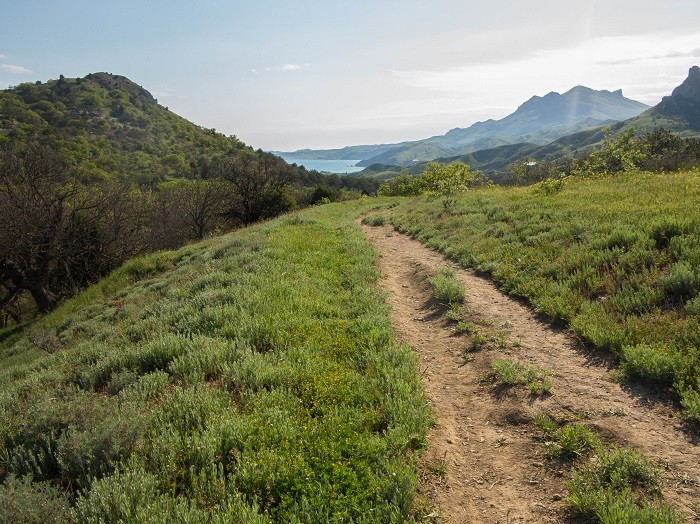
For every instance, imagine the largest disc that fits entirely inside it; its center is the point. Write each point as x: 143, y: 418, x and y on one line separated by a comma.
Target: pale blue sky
x: 286, y: 75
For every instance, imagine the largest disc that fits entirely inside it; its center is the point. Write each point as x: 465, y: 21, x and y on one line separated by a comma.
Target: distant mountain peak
x: 684, y: 102
x: 690, y: 88
x: 110, y: 81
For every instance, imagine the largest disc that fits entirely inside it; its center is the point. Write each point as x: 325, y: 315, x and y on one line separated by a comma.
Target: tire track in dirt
x: 486, y: 465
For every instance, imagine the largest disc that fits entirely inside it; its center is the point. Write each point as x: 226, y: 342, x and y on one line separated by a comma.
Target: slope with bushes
x: 250, y: 378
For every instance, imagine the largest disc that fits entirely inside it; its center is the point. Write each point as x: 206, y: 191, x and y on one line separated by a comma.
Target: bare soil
x: 485, y: 461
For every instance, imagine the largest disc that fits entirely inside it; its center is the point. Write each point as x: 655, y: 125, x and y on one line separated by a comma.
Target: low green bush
x: 513, y: 373
x: 22, y: 500
x: 654, y: 364
x: 447, y: 289
x: 374, y: 220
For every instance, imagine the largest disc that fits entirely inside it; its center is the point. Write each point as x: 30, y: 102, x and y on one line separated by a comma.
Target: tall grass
x: 250, y: 378
x: 617, y: 259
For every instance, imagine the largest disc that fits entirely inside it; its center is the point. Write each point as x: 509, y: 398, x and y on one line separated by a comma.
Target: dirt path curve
x: 486, y: 466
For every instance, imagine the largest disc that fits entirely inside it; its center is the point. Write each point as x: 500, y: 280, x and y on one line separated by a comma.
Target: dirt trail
x: 486, y: 465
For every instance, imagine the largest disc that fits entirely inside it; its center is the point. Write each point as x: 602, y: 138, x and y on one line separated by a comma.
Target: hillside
x: 108, y: 128
x: 255, y: 377
x: 617, y: 260
x: 93, y: 171
x: 112, y: 127
x: 539, y: 120
x: 252, y: 378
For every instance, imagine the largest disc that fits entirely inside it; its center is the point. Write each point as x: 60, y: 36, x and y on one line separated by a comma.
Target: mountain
x: 683, y: 106
x: 539, y: 120
x: 110, y: 126
x: 678, y: 113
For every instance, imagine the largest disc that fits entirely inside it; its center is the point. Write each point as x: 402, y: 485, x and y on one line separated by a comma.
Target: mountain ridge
x: 678, y: 113
x: 539, y: 120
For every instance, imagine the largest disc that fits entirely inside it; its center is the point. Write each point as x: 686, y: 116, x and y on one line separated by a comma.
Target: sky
x: 284, y: 75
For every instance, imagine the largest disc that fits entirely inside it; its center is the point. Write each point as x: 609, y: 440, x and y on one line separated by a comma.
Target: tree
x: 55, y: 235
x: 618, y: 154
x: 403, y: 184
x: 447, y: 180
x: 201, y: 205
x: 259, y: 182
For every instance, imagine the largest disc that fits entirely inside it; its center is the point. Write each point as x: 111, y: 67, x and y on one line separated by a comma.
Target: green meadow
x: 616, y: 259
x: 250, y: 378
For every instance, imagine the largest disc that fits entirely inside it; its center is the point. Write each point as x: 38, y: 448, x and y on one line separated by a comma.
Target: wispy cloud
x: 2, y: 57
x: 15, y: 69
x: 285, y: 67
x: 588, y: 62
x: 672, y: 54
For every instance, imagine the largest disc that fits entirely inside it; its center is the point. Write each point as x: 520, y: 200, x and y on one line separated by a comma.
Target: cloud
x: 672, y: 54
x: 2, y: 56
x: 285, y: 67
x: 15, y: 69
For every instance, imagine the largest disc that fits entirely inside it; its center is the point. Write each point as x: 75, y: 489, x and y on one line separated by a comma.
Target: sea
x: 327, y: 166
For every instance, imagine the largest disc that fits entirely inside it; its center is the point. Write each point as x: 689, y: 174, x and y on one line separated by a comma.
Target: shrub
x: 22, y: 500
x: 663, y: 231
x: 692, y: 307
x: 690, y: 400
x: 682, y: 281
x: 447, y: 289
x: 374, y: 220
x: 573, y: 441
x: 513, y: 373
x: 618, y: 488
x: 654, y: 364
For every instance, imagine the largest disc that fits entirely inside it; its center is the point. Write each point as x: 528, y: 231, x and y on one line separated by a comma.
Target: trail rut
x: 483, y: 463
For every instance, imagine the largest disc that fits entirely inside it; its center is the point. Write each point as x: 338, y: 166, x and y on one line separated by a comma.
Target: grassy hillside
x: 250, y: 378
x: 617, y: 259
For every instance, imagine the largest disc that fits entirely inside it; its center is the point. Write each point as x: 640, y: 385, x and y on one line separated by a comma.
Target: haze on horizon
x: 285, y: 76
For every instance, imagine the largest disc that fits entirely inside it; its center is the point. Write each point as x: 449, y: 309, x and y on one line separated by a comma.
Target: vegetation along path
x: 486, y: 462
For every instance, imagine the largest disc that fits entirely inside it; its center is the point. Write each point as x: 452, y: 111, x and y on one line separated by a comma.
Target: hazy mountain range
x: 539, y: 121
x: 678, y: 112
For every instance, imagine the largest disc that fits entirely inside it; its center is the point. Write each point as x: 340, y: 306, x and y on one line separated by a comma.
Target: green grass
x: 447, y: 289
x: 620, y: 487
x: 608, y: 485
x: 374, y: 220
x: 616, y: 259
x: 250, y: 378
x: 511, y: 373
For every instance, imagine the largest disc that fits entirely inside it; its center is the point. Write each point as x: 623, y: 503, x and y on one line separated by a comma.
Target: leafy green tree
x: 448, y: 180
x: 404, y: 184
x: 618, y: 154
